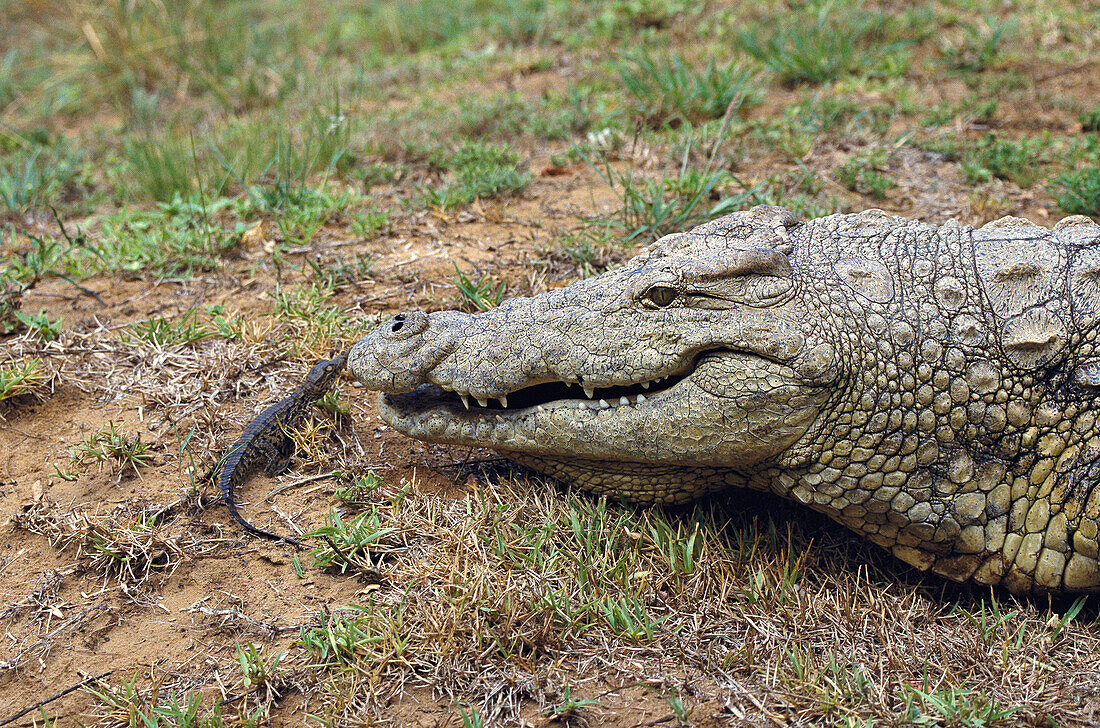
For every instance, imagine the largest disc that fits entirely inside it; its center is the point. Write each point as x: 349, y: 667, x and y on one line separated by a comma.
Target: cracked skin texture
x: 932, y: 388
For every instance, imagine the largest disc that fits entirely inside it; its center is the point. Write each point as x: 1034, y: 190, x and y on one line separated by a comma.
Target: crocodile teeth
x: 604, y: 404
x: 503, y: 401
x: 641, y: 398
x: 589, y: 391
x: 465, y: 400
x: 624, y: 400
x: 645, y: 385
x: 540, y: 408
x: 482, y: 402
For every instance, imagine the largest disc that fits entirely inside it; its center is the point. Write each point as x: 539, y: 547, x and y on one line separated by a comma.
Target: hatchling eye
x: 661, y: 295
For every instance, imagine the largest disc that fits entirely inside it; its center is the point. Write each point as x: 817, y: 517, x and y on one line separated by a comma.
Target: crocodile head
x: 695, y: 356
x: 325, y: 372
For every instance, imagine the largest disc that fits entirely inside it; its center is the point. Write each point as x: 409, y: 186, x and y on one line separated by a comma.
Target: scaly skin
x: 265, y: 440
x: 933, y: 388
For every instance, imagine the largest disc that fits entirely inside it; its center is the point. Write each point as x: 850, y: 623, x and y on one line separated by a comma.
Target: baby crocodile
x: 266, y: 439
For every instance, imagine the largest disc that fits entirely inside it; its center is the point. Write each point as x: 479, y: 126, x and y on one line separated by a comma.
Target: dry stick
x: 82, y: 289
x: 656, y: 721
x: 15, y: 662
x: 367, y: 573
x: 338, y: 551
x: 726, y: 117
x: 72, y: 244
x: 301, y: 481
x: 1073, y: 68
x: 54, y: 697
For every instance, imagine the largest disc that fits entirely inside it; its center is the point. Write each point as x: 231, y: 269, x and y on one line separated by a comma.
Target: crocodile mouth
x: 721, y: 407
x: 552, y: 395
x: 548, y: 395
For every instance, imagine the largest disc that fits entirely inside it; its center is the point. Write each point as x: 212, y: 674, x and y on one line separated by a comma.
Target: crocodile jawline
x: 558, y: 393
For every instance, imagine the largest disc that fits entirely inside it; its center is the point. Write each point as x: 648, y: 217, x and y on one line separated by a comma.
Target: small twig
x: 301, y: 481
x: 55, y: 696
x: 17, y: 660
x: 462, y: 467
x: 414, y: 259
x: 232, y: 614
x: 82, y: 289
x: 338, y: 551
x: 73, y: 244
x: 1072, y: 68
x: 369, y: 573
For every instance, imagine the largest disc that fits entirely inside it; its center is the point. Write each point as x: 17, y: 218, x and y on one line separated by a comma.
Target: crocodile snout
x: 398, y: 356
x: 403, y: 326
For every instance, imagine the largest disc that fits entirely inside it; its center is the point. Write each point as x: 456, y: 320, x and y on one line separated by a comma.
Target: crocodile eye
x: 661, y: 295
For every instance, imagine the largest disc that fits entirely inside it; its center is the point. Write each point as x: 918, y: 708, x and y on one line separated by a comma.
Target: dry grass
x: 535, y: 591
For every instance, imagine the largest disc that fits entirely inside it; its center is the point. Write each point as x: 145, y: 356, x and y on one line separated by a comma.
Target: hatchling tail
x: 253, y: 529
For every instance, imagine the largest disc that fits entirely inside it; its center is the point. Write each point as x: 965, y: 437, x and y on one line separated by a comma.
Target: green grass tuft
x: 1090, y: 120
x: 826, y: 45
x: 413, y: 27
x: 669, y: 91
x: 650, y: 208
x: 481, y: 295
x: 1017, y: 161
x: 177, y: 238
x: 163, y: 167
x: 359, y: 488
x: 1078, y: 191
x: 40, y: 325
x: 979, y: 46
x: 160, y: 331
x: 865, y: 173
x: 350, y: 544
x: 477, y: 170
x: 302, y: 213
x: 23, y: 378
x: 316, y: 318
x: 954, y: 706
x: 31, y: 174
x: 109, y: 444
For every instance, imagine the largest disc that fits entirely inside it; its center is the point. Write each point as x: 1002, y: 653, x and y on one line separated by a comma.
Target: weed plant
x: 670, y: 91
x: 1078, y: 191
x: 476, y: 170
x: 826, y: 44
x: 1019, y: 161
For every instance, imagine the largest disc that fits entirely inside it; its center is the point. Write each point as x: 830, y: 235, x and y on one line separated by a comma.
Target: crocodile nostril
x: 404, y: 325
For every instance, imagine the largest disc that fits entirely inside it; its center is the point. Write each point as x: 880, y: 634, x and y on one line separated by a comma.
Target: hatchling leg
x: 278, y: 457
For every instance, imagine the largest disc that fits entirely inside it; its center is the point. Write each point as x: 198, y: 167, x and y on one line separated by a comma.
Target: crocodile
x: 265, y: 440
x: 933, y: 388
